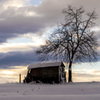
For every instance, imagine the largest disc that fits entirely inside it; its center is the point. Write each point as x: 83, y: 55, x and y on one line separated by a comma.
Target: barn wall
x: 45, y: 74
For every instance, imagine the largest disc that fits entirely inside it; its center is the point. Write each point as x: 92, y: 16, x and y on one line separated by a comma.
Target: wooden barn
x: 49, y: 72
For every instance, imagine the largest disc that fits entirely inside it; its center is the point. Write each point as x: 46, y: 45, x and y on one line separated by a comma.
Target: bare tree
x: 72, y: 41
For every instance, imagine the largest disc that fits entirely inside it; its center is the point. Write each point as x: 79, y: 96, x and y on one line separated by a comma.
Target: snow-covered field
x: 73, y: 91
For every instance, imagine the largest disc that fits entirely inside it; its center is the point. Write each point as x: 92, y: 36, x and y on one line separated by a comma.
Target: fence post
x: 19, y: 78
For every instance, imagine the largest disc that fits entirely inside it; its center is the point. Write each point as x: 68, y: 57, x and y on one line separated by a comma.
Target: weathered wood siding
x: 47, y: 74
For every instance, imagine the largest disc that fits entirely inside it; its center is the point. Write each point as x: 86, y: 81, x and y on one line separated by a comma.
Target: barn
x: 46, y: 72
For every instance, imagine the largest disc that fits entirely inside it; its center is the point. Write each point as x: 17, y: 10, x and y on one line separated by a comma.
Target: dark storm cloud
x: 16, y: 59
x: 15, y: 21
x: 4, y: 37
x: 19, y: 25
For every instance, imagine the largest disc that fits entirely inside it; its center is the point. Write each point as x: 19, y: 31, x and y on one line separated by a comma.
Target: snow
x: 72, y: 91
x: 44, y: 64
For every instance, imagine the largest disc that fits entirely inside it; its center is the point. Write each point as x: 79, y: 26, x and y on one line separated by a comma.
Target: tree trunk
x: 70, y: 72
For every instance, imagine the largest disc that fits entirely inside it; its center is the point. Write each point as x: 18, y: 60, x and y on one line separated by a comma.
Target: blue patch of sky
x: 35, y: 2
x: 20, y: 40
x: 88, y: 66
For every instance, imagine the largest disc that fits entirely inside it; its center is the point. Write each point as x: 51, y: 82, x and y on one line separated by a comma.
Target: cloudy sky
x: 24, y: 26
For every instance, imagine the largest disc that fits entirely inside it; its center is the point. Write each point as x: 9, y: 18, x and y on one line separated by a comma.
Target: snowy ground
x: 73, y: 91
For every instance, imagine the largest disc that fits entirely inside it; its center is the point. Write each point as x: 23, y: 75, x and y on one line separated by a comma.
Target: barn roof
x: 45, y: 64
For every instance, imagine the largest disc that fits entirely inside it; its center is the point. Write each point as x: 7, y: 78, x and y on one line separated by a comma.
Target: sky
x: 24, y: 26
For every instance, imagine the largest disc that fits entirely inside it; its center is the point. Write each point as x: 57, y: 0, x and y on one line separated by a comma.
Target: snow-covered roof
x: 44, y: 64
